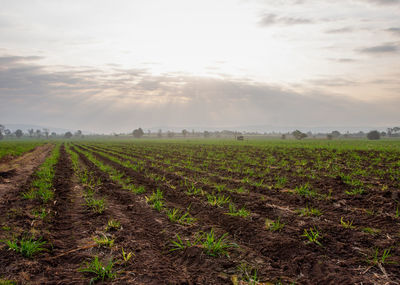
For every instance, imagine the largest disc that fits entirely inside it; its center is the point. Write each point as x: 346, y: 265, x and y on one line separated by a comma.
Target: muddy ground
x: 282, y: 257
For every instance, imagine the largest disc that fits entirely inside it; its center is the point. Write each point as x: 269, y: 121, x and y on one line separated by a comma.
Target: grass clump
x: 7, y: 282
x: 101, y: 271
x: 113, y: 225
x: 274, y: 226
x: 176, y: 216
x: 218, y: 200
x: 156, y: 200
x: 305, y: 190
x: 211, y: 244
x: 371, y: 231
x: 377, y: 258
x: 240, y: 213
x: 104, y: 241
x: 309, y: 211
x: 313, y: 236
x: 347, y: 225
x: 26, y: 247
x: 96, y: 205
x: 215, y: 246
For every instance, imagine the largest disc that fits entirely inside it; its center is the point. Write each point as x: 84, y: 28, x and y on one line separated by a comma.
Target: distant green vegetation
x: 16, y: 148
x: 389, y: 144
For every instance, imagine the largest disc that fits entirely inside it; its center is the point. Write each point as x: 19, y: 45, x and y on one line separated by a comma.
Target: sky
x: 113, y: 66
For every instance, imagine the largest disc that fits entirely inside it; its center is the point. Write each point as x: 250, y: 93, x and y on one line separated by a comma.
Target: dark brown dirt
x: 282, y: 256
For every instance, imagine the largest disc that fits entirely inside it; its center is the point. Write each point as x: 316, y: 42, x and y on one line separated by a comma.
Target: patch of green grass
x: 176, y: 216
x: 346, y: 224
x: 179, y: 244
x: 305, y: 190
x: 383, y: 258
x: 215, y: 246
x: 218, y: 200
x: 309, y: 211
x: 7, y: 282
x: 274, y: 226
x: 101, y: 271
x: 96, y: 205
x: 242, y: 212
x: 26, y: 247
x: 113, y: 225
x: 371, y: 231
x: 248, y: 274
x: 42, y: 213
x: 104, y: 241
x: 355, y: 191
x: 313, y: 236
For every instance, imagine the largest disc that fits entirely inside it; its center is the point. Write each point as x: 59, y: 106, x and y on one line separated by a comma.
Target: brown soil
x: 15, y: 172
x: 282, y: 256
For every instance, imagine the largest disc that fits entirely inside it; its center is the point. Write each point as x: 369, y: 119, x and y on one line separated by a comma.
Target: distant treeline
x: 140, y: 133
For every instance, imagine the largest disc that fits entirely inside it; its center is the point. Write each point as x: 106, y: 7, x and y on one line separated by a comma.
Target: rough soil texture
x: 283, y: 256
x: 15, y: 172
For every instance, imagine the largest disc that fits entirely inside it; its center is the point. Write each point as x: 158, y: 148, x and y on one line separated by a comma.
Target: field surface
x: 201, y: 212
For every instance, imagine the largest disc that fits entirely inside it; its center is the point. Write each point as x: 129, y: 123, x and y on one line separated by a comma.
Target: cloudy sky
x: 106, y: 66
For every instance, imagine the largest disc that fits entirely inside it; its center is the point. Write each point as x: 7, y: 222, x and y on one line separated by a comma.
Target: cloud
x: 383, y: 2
x: 273, y: 19
x: 340, y: 30
x: 395, y: 31
x: 15, y: 59
x: 333, y: 82
x: 123, y: 99
x: 381, y: 49
x: 343, y: 60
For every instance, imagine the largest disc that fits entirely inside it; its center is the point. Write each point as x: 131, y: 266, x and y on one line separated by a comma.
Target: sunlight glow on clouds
x: 199, y: 62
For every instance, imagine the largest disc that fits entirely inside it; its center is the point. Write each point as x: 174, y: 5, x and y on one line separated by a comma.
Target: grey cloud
x: 14, y: 59
x: 395, y: 31
x: 125, y: 99
x: 381, y: 49
x: 273, y: 19
x: 383, y: 2
x: 340, y: 31
x: 333, y: 82
x: 343, y: 60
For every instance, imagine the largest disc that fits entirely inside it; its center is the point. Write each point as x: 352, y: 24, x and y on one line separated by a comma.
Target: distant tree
x: 138, y: 133
x: 335, y: 134
x: 2, y: 128
x: 159, y: 133
x: 206, y: 134
x: 7, y: 132
x: 283, y: 136
x: 46, y: 132
x: 383, y: 134
x: 18, y: 133
x: 299, y: 135
x: 78, y: 133
x: 38, y: 133
x: 170, y: 134
x: 31, y: 131
x: 184, y: 133
x: 374, y: 135
x: 1, y: 136
x: 329, y: 136
x: 68, y: 135
x: 53, y: 134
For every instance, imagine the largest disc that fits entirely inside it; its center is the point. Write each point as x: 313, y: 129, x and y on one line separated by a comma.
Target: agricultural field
x: 202, y: 212
x: 11, y: 149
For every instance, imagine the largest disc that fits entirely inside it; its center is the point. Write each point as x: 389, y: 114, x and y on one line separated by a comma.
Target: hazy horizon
x: 106, y: 66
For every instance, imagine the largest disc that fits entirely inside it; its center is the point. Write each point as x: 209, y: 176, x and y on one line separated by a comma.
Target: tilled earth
x: 281, y: 257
